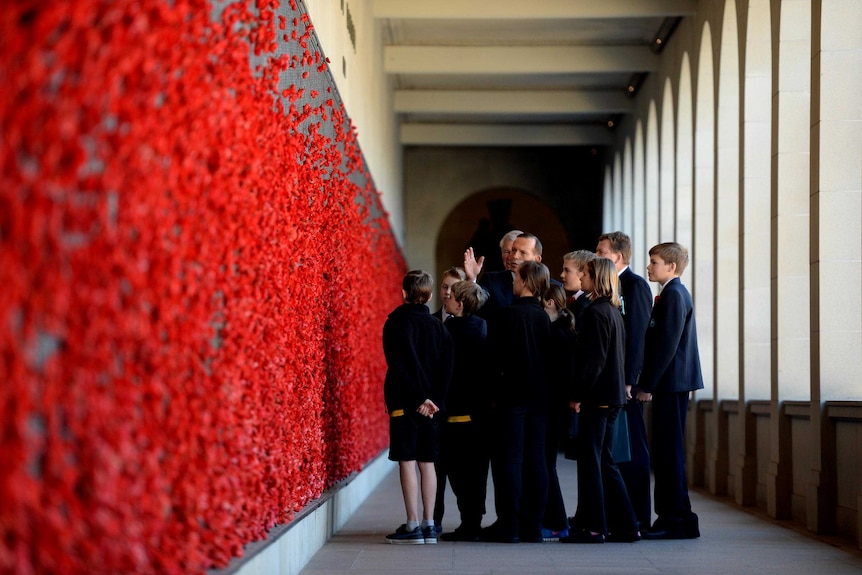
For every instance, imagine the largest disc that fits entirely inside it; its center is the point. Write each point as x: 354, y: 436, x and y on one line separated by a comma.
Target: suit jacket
x: 600, y: 376
x: 498, y: 285
x: 671, y: 356
x: 439, y: 313
x: 520, y: 342
x: 637, y: 306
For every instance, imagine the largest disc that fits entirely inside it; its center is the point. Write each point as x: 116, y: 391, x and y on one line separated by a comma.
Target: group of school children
x: 492, y: 380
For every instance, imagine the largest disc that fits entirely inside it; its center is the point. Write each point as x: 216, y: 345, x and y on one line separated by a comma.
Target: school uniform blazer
x: 420, y: 358
x: 600, y: 376
x: 469, y: 334
x: 438, y: 314
x: 577, y: 308
x: 519, y: 342
x: 671, y: 356
x: 636, y: 297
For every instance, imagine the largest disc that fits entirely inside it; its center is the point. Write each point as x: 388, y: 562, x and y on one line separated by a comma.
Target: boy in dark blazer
x: 670, y: 373
x: 420, y: 358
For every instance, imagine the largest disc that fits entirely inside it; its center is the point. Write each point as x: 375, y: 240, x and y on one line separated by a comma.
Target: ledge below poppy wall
x: 195, y: 271
x: 287, y: 549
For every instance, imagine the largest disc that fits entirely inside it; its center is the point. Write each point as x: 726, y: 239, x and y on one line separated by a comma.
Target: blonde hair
x: 579, y: 258
x: 672, y: 253
x: 603, y: 272
x: 470, y: 294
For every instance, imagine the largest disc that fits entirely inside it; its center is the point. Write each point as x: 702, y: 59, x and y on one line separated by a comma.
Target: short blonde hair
x: 470, y: 294
x: 672, y: 253
x: 579, y: 258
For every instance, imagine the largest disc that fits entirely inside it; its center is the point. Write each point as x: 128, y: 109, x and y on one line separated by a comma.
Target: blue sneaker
x: 403, y: 536
x: 429, y: 534
x: 549, y: 535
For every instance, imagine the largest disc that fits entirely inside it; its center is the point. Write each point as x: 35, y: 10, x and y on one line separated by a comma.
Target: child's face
x: 587, y: 283
x: 453, y: 307
x: 446, y: 288
x: 659, y: 270
x: 571, y: 276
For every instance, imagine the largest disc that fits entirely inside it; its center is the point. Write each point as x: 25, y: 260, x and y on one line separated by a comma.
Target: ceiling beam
x: 506, y: 60
x: 504, y: 135
x: 532, y: 10
x: 512, y: 102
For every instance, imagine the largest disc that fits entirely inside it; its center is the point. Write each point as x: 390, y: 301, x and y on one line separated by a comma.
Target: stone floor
x: 733, y: 541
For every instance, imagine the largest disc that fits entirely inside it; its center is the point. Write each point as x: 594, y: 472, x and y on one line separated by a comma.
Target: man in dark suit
x: 636, y: 298
x: 498, y: 283
x: 670, y: 373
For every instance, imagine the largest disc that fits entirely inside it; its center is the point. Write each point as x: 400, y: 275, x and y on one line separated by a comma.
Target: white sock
x: 427, y: 523
x: 411, y: 525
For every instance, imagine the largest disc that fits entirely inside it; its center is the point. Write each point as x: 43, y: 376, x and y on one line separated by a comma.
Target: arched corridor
x: 206, y: 209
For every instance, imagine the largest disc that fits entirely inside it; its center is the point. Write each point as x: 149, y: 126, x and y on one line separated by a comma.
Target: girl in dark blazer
x: 561, y: 367
x: 604, y: 509
x: 520, y: 404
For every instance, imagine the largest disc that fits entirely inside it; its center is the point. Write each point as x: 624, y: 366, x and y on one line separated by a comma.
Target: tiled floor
x: 732, y: 542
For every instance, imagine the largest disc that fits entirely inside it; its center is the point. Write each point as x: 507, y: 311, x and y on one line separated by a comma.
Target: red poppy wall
x: 195, y: 271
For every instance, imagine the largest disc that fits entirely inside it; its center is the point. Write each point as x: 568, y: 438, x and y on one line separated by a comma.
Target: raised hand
x: 472, y: 266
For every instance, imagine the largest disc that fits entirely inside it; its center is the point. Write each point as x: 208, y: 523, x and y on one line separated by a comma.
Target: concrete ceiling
x: 506, y: 72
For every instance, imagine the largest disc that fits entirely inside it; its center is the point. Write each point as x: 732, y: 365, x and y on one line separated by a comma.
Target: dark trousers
x: 636, y: 473
x: 520, y: 471
x: 672, y: 503
x: 555, y: 509
x: 603, y: 502
x: 467, y: 470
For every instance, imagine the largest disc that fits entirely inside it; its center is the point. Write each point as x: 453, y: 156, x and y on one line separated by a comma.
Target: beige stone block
x: 792, y: 245
x: 793, y: 183
x: 757, y: 308
x: 841, y: 25
x: 793, y: 304
x: 757, y: 370
x: 794, y: 66
x: 793, y: 366
x: 758, y: 140
x: 840, y: 85
x: 840, y: 365
x: 795, y: 20
x: 840, y: 302
x: 840, y: 150
x: 840, y: 230
x: 758, y: 98
x: 794, y: 121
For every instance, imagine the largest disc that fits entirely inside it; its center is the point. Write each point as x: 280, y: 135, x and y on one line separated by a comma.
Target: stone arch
x: 727, y: 211
x: 652, y: 173
x: 703, y: 260
x: 667, y: 179
x: 517, y: 209
x: 684, y: 159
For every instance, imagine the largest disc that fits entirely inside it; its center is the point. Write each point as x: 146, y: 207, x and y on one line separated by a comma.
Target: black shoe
x: 663, y: 534
x: 403, y: 536
x: 623, y: 537
x: 461, y: 535
x: 494, y: 534
x: 583, y: 537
